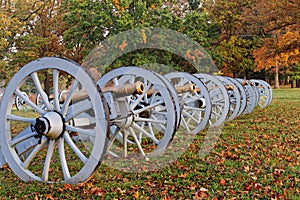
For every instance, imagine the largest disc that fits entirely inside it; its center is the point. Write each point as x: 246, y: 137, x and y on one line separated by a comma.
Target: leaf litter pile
x: 256, y: 157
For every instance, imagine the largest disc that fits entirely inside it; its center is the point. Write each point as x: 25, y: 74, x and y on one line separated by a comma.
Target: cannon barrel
x: 245, y: 83
x: 179, y: 89
x: 229, y: 87
x: 125, y: 90
x: 185, y: 88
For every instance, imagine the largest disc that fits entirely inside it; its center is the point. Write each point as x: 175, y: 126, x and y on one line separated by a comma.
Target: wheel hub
x: 125, y: 122
x: 51, y: 125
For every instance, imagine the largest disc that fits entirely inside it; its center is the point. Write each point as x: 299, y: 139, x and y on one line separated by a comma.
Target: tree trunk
x: 276, y: 81
x: 293, y: 83
x: 286, y: 78
x: 47, y: 83
x: 267, y: 78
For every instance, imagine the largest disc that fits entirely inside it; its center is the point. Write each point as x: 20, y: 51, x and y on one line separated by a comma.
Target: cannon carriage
x: 129, y: 111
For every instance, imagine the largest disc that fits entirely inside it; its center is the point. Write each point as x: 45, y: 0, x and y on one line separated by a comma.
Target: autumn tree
x: 30, y: 29
x: 232, y: 50
x: 278, y: 24
x: 10, y: 27
x: 235, y: 55
x: 42, y: 33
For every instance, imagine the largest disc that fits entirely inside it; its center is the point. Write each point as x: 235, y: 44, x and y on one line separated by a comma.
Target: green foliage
x: 87, y: 23
x: 235, y: 55
x: 10, y: 26
x: 295, y: 71
x: 229, y: 30
x: 196, y: 26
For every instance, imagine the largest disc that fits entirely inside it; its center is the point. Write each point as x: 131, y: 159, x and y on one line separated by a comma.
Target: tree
x: 278, y: 23
x: 228, y: 14
x: 295, y: 75
x: 232, y: 49
x: 10, y: 27
x: 88, y: 23
x: 234, y: 56
x: 32, y: 29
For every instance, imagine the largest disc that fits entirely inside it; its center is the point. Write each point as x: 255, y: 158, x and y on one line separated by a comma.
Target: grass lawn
x: 256, y: 157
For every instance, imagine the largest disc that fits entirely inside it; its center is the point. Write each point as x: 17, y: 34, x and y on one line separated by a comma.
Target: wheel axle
x: 51, y: 125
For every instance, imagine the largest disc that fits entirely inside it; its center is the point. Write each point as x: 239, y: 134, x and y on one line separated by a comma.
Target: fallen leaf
x: 222, y: 182
x: 136, y: 194
x: 67, y: 186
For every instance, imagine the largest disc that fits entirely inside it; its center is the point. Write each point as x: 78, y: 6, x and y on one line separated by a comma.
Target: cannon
x: 251, y: 95
x: 147, y: 118
x: 234, y: 97
x: 64, y: 136
x: 265, y: 92
x: 46, y: 133
x: 219, y: 99
x: 196, y: 106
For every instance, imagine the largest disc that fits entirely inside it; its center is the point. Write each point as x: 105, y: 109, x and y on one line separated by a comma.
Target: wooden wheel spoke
x: 87, y: 132
x: 132, y: 133
x: 22, y: 136
x: 75, y: 149
x: 78, y: 108
x: 62, y: 157
x: 19, y: 118
x: 40, y: 90
x: 34, y: 152
x: 151, y: 106
x: 55, y: 89
x: 45, y: 174
x: 69, y: 97
x: 141, y: 119
x: 147, y: 134
x: 28, y: 102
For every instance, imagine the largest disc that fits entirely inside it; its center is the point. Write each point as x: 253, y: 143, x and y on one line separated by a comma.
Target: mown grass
x: 256, y: 157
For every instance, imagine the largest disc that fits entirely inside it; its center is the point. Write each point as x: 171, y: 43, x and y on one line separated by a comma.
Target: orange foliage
x: 281, y: 27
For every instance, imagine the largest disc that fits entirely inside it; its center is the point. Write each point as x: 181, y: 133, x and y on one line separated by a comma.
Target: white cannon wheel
x: 174, y: 96
x: 21, y: 104
x: 251, y: 96
x: 196, y: 105
x: 243, y: 97
x: 219, y: 99
x: 39, y: 102
x: 37, y: 143
x: 234, y: 98
x: 263, y: 91
x: 255, y: 90
x: 152, y: 117
x: 270, y: 91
